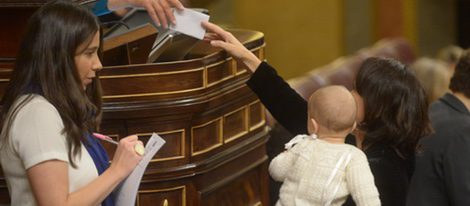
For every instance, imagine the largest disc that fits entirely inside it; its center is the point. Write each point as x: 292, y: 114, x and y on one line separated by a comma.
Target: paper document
x: 189, y: 22
x: 127, y: 192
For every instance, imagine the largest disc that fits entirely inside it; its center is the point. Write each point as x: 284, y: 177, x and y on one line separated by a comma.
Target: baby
x: 320, y: 169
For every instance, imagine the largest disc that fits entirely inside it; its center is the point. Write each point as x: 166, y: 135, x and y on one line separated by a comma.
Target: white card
x: 189, y: 22
x: 126, y: 193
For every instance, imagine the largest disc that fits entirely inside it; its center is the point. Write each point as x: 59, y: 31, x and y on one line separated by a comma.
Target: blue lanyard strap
x: 101, y: 160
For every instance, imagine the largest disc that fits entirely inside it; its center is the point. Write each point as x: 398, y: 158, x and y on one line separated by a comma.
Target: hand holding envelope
x: 189, y: 22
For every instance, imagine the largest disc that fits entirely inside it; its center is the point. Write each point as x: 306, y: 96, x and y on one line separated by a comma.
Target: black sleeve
x: 456, y: 164
x: 283, y: 102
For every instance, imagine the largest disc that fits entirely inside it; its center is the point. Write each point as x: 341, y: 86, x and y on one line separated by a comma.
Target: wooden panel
x: 256, y: 115
x: 6, y: 67
x: 235, y: 124
x: 206, y: 137
x: 244, y: 186
x: 138, y: 85
x: 116, y: 56
x: 116, y: 129
x: 176, y: 141
x: 244, y: 190
x: 218, y: 72
x: 12, y: 22
x: 14, y: 15
x: 172, y: 149
x: 163, y: 197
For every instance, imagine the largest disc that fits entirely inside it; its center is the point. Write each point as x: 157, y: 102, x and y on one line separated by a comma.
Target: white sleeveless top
x: 36, y: 136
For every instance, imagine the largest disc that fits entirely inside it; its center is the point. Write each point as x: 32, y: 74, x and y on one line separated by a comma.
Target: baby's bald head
x: 333, y: 108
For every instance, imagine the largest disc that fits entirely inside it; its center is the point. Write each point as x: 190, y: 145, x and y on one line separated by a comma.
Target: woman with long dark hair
x: 392, y: 112
x: 51, y: 107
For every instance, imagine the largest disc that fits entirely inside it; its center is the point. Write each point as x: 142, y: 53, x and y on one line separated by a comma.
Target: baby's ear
x: 353, y: 127
x: 312, y: 126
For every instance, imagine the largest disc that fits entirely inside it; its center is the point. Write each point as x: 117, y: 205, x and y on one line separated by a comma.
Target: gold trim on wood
x: 258, y: 47
x: 151, y: 94
x: 262, y: 123
x: 182, y: 145
x: 261, y: 51
x: 221, y: 127
x: 260, y: 56
x: 217, y: 63
x: 242, y: 72
x: 223, y: 79
x: 204, y: 83
x: 183, y: 193
x: 205, y: 80
x: 258, y: 204
x: 4, y: 80
x: 150, y: 74
x: 263, y: 117
x: 247, y: 118
x: 234, y: 66
x: 220, y: 137
x: 245, y: 122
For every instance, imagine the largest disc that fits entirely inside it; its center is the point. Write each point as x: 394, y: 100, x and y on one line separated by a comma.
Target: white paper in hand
x: 189, y: 22
x: 127, y: 192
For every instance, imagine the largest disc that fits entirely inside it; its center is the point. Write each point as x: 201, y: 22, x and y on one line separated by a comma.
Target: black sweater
x: 391, y: 172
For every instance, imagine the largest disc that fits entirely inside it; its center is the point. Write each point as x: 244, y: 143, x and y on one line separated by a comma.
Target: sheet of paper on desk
x: 189, y: 22
x: 127, y: 192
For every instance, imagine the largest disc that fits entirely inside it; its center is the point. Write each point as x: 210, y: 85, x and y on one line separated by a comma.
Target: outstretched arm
x: 225, y: 40
x: 284, y: 103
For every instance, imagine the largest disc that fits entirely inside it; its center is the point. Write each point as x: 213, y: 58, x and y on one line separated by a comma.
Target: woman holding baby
x: 391, y: 112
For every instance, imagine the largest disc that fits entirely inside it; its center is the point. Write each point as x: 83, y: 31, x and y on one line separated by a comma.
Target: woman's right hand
x: 126, y: 158
x: 226, y: 41
x: 161, y: 11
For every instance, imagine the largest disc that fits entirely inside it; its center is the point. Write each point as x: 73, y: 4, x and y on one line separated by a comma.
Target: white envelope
x: 189, y: 22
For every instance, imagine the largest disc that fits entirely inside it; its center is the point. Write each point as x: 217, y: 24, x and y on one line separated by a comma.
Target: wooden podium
x: 213, y: 124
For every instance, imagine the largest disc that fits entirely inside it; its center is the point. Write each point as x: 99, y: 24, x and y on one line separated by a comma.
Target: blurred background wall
x: 304, y: 34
